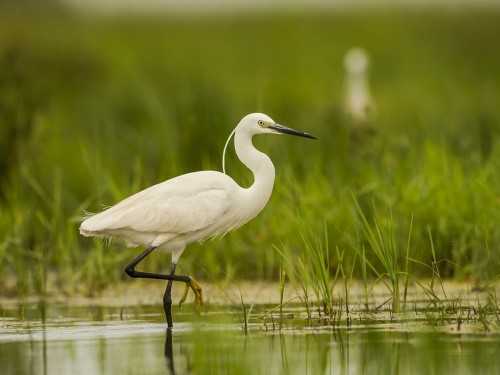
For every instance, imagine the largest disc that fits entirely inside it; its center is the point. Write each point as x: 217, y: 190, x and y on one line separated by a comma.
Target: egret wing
x: 184, y: 204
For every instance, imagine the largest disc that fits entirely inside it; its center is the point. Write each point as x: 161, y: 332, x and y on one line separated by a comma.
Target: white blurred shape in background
x: 358, y: 105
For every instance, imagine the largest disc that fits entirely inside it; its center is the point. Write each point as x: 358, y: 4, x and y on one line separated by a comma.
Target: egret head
x: 356, y: 60
x: 259, y: 123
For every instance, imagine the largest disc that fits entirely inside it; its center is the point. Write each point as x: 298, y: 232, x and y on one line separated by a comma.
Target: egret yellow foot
x: 198, y: 297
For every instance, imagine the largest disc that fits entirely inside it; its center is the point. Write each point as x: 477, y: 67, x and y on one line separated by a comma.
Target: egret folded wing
x: 177, y: 206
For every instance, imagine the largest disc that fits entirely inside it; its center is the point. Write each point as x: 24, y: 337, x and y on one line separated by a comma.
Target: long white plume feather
x: 224, y: 152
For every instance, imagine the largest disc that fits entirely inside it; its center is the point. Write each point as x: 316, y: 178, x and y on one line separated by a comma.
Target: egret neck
x: 261, y: 166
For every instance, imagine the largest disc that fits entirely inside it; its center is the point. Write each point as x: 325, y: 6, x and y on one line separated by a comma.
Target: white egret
x: 192, y: 207
x: 359, y: 104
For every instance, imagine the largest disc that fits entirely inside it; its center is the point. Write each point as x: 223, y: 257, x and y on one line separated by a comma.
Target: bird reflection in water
x: 169, y: 356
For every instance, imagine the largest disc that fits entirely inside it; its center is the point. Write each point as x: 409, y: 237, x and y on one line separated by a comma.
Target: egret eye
x: 260, y: 122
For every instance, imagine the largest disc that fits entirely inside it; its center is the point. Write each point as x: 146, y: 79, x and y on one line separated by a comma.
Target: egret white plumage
x: 359, y: 104
x: 192, y: 207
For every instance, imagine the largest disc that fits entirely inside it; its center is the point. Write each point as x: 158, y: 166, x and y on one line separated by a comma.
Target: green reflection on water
x: 339, y: 352
x: 147, y: 348
x: 134, y: 340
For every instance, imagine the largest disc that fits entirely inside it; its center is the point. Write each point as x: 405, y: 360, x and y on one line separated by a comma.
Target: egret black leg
x: 130, y: 270
x: 167, y: 297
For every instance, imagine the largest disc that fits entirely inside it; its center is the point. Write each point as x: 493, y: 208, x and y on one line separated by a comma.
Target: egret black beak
x: 284, y: 130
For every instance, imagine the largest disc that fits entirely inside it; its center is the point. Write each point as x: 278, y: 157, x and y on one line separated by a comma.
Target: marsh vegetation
x: 363, y: 228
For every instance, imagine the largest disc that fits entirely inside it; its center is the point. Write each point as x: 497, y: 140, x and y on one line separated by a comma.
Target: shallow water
x: 134, y: 340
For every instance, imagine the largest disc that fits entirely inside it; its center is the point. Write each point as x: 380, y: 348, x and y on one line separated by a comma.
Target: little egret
x: 359, y: 104
x: 192, y: 207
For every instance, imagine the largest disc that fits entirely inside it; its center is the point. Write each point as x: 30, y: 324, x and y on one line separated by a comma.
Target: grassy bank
x: 92, y: 110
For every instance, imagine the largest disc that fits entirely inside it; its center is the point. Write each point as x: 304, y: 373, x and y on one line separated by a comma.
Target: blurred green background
x: 94, y: 107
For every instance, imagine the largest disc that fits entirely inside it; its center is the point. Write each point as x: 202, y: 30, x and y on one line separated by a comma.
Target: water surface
x: 112, y: 340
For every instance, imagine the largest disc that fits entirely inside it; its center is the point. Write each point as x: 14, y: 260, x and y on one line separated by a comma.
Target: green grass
x: 382, y: 241
x: 93, y: 110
